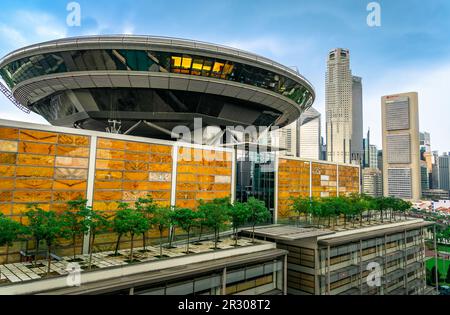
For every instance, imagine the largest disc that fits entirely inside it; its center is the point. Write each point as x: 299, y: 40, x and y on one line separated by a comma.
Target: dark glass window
x: 140, y: 60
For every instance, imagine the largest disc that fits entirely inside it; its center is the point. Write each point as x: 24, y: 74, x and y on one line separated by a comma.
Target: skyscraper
x: 309, y: 135
x: 372, y: 182
x: 343, y: 109
x: 435, y: 182
x: 288, y: 139
x: 444, y: 171
x: 373, y: 156
x: 425, y: 142
x: 401, y: 146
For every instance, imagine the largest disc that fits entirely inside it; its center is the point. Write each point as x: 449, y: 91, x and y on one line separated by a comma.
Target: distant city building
x: 435, y: 182
x: 424, y: 177
x: 380, y: 167
x: 425, y: 141
x: 343, y: 109
x: 435, y: 194
x: 288, y: 140
x: 444, y: 172
x: 323, y: 149
x: 366, y: 150
x: 373, y: 156
x: 372, y: 182
x: 309, y: 138
x: 401, y: 149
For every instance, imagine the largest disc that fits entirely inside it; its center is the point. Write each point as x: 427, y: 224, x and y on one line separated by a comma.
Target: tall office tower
x: 444, y: 171
x: 288, y: 139
x: 372, y: 182
x: 401, y: 149
x: 357, y: 120
x: 424, y: 177
x: 373, y: 156
x: 366, y: 150
x: 323, y: 149
x: 425, y: 142
x: 309, y: 135
x: 343, y: 109
x: 435, y: 182
x: 380, y: 167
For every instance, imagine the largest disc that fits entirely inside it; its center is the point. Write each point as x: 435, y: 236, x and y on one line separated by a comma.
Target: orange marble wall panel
x: 108, y: 175
x: 106, y: 206
x: 7, y: 171
x: 8, y: 146
x: 32, y: 171
x: 108, y: 184
x: 9, y: 133
x: 19, y: 209
x: 135, y: 176
x: 6, y: 209
x: 104, y: 143
x: 110, y: 164
x: 70, y: 173
x: 71, y: 151
x: 110, y: 154
x: 107, y: 195
x: 136, y: 156
x: 6, y: 196
x: 65, y: 196
x: 167, y: 168
x: 37, y: 160
x: 38, y: 136
x: 137, y: 147
x: 37, y: 148
x: 32, y: 196
x: 163, y: 149
x: 62, y: 161
x: 136, y: 166
x: 34, y: 184
x: 70, y: 185
x: 8, y: 158
x: 75, y: 140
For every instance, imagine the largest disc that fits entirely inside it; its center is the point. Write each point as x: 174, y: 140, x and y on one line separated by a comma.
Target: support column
x: 90, y: 187
x: 329, y: 270
x: 224, y: 281
x: 285, y: 275
x: 436, y: 258
x: 277, y: 181
x: 233, y: 174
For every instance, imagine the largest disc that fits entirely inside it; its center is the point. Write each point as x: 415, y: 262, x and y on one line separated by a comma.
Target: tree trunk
x: 235, y: 237
x: 144, y: 243
x: 7, y: 254
x: 116, y: 252
x: 382, y: 217
x: 132, y: 245
x: 216, y: 238
x: 187, y: 246
x: 49, y: 258
x: 74, y: 242
x: 91, y: 250
x: 201, y: 232
x: 253, y: 234
x: 37, y: 252
x: 160, y: 242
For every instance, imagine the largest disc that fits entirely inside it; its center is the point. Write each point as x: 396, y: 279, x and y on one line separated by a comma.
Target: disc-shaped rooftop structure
x: 95, y: 82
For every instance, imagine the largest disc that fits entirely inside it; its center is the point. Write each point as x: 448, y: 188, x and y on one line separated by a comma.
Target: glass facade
x: 152, y: 61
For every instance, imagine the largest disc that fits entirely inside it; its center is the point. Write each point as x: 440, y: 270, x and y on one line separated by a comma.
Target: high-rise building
x: 401, y: 149
x: 309, y: 135
x: 343, y: 109
x: 288, y: 139
x: 373, y: 156
x: 435, y: 182
x: 357, y: 119
x: 372, y: 182
x: 444, y: 171
x: 424, y: 177
x: 366, y: 149
x: 425, y: 141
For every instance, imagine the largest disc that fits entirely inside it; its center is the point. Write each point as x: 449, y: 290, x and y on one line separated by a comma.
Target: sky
x: 409, y: 51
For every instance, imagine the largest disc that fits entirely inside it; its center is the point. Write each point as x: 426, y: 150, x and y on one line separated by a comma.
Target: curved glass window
x: 150, y: 61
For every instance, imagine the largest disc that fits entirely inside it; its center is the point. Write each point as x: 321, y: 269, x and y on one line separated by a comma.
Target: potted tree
x: 120, y: 225
x: 161, y: 220
x: 95, y: 222
x: 10, y: 231
x: 185, y: 219
x: 239, y: 214
x: 216, y: 214
x: 73, y: 221
x: 258, y: 213
x: 46, y: 226
x: 147, y: 207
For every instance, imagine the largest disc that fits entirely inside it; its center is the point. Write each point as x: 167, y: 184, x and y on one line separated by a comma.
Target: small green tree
x: 200, y: 222
x: 216, y: 215
x: 46, y: 226
x: 258, y: 213
x: 302, y: 205
x: 73, y: 220
x: 10, y: 232
x: 185, y: 219
x: 161, y: 220
x: 147, y: 207
x: 120, y: 224
x: 239, y: 214
x: 95, y: 223
x: 130, y: 221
